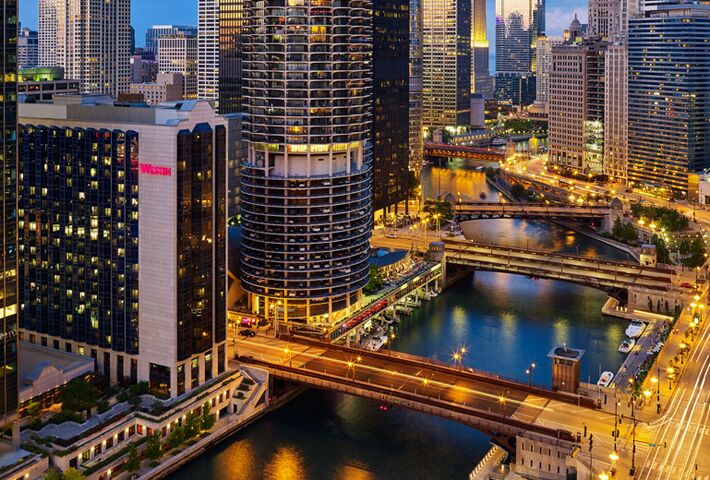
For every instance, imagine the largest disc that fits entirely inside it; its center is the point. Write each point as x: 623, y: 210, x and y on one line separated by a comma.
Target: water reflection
x: 287, y: 463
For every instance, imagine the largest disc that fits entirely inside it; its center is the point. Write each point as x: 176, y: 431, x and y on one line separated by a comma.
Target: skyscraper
x: 219, y: 45
x: 306, y: 196
x: 178, y: 54
x: 482, y: 81
x: 544, y: 66
x: 9, y: 386
x: 208, y: 50
x: 416, y: 137
x: 616, y: 129
x: 136, y: 275
x: 518, y: 25
x: 447, y: 63
x: 27, y: 49
x: 153, y: 34
x: 47, y: 33
x: 390, y: 127
x: 669, y: 95
x: 91, y: 42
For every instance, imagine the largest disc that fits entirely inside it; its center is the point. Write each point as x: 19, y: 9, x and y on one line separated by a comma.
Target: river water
x: 505, y: 321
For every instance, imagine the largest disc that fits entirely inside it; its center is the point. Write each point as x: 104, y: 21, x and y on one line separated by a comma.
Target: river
x: 505, y: 321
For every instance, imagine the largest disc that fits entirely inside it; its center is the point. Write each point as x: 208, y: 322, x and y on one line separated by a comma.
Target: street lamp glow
x: 647, y: 393
x: 613, y: 456
x: 654, y: 380
x: 603, y: 476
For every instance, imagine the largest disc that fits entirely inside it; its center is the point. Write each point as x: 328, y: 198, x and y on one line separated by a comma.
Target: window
x: 160, y: 379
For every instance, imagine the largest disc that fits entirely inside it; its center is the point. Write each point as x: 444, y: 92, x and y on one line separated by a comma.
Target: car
x: 247, y: 333
x: 391, y: 235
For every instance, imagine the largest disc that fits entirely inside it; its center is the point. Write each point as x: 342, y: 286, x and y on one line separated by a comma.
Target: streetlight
x: 350, y: 365
x: 529, y: 372
x: 616, y: 421
x: 287, y: 352
x: 657, y: 382
x: 670, y: 371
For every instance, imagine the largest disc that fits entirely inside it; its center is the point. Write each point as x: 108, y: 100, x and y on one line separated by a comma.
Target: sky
x: 184, y: 12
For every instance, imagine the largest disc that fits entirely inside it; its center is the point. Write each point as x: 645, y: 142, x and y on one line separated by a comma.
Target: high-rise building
x: 616, y: 131
x: 306, y: 196
x: 447, y: 62
x: 544, y: 65
x: 156, y: 31
x: 9, y: 386
x: 167, y: 87
x: 390, y: 126
x: 136, y: 275
x: 47, y: 33
x: 416, y: 137
x: 220, y: 24
x: 92, y: 42
x: 482, y: 81
x: 518, y: 25
x: 178, y: 54
x: 27, y: 49
x: 669, y: 95
x: 231, y: 21
x: 143, y: 70
x: 576, y: 107
x: 208, y: 50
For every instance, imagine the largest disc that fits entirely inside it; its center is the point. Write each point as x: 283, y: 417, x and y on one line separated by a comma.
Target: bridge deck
x: 400, y: 377
x: 479, y: 209
x: 545, y: 264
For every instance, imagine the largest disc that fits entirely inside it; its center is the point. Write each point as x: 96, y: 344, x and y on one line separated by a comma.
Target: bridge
x: 500, y: 407
x: 443, y: 150
x: 612, y: 276
x: 476, y: 210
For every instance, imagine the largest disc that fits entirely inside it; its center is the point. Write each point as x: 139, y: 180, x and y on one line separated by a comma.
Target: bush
x: 33, y: 408
x: 102, y: 406
x: 133, y: 463
x: 79, y: 395
x: 66, y: 416
x: 153, y: 448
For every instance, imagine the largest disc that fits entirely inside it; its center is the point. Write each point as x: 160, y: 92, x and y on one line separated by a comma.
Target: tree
x: 376, y: 281
x: 73, y: 474
x: 52, y: 474
x: 176, y: 437
x: 443, y: 208
x: 208, y: 419
x: 193, y: 425
x: 78, y: 395
x: 153, y: 447
x: 133, y: 463
x: 625, y: 232
x: 662, y: 253
x: 696, y: 250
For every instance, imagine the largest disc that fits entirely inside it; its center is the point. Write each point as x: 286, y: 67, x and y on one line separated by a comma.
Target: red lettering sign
x: 149, y: 169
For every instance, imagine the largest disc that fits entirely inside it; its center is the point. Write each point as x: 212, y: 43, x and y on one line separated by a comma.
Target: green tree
x: 176, y: 437
x: 662, y: 253
x: 153, y: 447
x: 208, y: 419
x: 443, y: 208
x: 133, y: 463
x: 78, y: 395
x: 73, y: 474
x: 52, y: 474
x: 376, y: 281
x: 193, y: 425
x: 696, y: 250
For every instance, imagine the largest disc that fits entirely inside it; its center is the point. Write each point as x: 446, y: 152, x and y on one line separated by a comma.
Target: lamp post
x: 616, y: 422
x: 529, y: 372
x: 657, y: 381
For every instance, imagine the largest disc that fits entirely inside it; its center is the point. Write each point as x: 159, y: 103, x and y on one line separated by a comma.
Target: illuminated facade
x: 47, y: 33
x: 122, y: 237
x: 416, y: 137
x: 576, y: 106
x: 95, y: 29
x: 178, y: 54
x: 390, y: 125
x: 669, y: 94
x: 153, y: 34
x: 306, y: 196
x: 482, y: 81
x: 208, y: 50
x: 518, y: 25
x: 447, y: 63
x: 616, y: 128
x: 8, y: 255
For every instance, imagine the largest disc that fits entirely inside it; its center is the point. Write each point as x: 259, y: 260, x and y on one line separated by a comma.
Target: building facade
x: 390, y: 126
x: 168, y: 87
x: 416, y: 137
x: 178, y: 54
x: 208, y: 50
x: 93, y: 29
x: 306, y: 196
x: 616, y: 130
x: 153, y: 34
x: 669, y: 96
x: 447, y: 63
x: 41, y: 84
x: 576, y: 107
x: 544, y: 66
x: 9, y: 387
x: 482, y: 81
x: 518, y: 25
x: 47, y: 33
x: 123, y: 237
x: 27, y: 49
x: 231, y: 22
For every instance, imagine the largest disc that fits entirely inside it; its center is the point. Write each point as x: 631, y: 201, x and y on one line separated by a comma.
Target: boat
x: 605, y: 379
x: 433, y: 294
x: 627, y: 345
x: 635, y: 329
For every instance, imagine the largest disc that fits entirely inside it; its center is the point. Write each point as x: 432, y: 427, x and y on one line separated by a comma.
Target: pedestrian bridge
x: 608, y: 275
x: 479, y: 210
x: 500, y: 407
x: 443, y: 150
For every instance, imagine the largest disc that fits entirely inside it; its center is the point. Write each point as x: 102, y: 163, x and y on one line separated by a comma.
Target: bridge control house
x: 122, y: 237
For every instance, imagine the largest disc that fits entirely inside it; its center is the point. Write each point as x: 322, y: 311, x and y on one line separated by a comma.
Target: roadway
x: 405, y: 375
x: 488, y: 209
